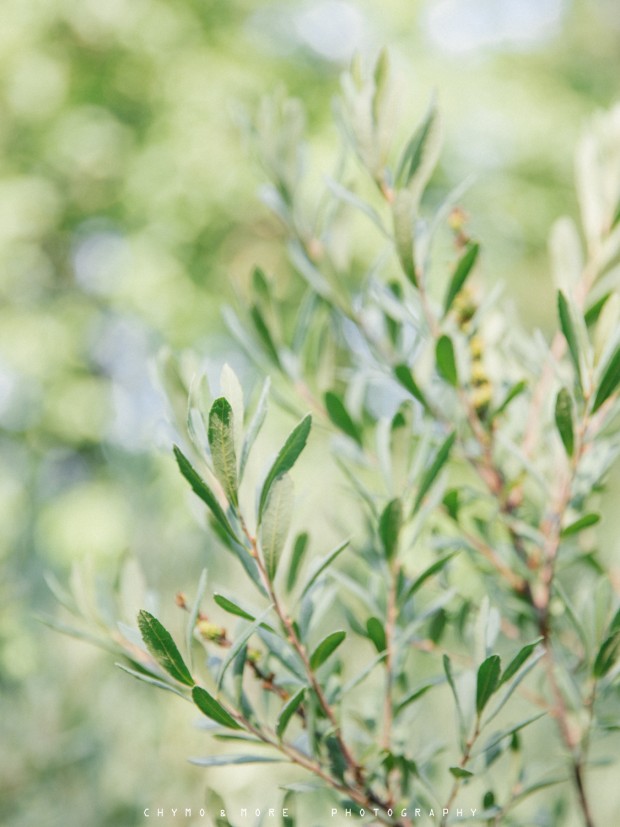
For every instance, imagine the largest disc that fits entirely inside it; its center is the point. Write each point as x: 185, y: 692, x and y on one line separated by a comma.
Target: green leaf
x: 255, y: 425
x: 376, y: 633
x: 487, y: 681
x: 232, y: 608
x: 459, y: 772
x: 564, y: 420
x: 276, y: 523
x: 285, y: 460
x: 341, y: 417
x: 607, y: 656
x: 239, y: 644
x: 213, y: 709
x: 403, y: 214
x: 429, y: 572
x: 461, y: 272
x: 594, y: 311
x: 614, y: 626
x: 568, y: 329
x: 200, y: 487
x: 610, y: 381
x: 498, y: 737
x: 222, y: 444
x: 433, y: 470
x: 300, y: 547
x: 288, y: 710
x: 264, y: 333
x: 516, y: 390
x: 326, y: 648
x: 579, y: 525
x: 390, y: 524
x: 446, y: 360
x: 420, y: 154
x: 405, y: 377
x: 163, y: 648
x: 519, y: 659
x: 320, y: 566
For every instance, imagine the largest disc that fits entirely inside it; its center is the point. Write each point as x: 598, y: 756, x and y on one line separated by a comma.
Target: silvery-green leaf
x: 231, y: 389
x: 276, y: 522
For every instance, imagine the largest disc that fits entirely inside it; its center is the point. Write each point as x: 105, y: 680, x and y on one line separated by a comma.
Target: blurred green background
x: 128, y: 215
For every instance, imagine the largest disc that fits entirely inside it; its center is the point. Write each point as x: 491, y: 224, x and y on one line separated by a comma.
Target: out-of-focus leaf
x: 238, y: 645
x: 430, y: 475
x: 421, y: 153
x: 390, y: 524
x: 607, y: 656
x: 405, y: 377
x: 233, y: 760
x: 376, y: 633
x: 519, y: 659
x: 162, y: 647
x: 582, y: 523
x: 340, y: 416
x: 516, y: 390
x: 461, y: 272
x: 459, y: 772
x: 446, y: 360
x: 285, y: 460
x: 564, y: 420
x: 326, y: 648
x: 435, y: 568
x: 568, y: 329
x: 142, y: 676
x: 610, y: 380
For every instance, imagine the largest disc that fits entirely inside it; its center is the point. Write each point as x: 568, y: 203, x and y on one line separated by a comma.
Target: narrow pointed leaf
x: 405, y: 377
x: 446, y: 360
x: 582, y: 523
x: 300, y: 547
x: 340, y: 416
x: 487, y: 681
x: 568, y: 329
x: 193, y: 615
x: 141, y: 676
x: 420, y: 154
x: 390, y: 524
x: 376, y: 633
x: 232, y: 608
x: 516, y: 390
x: 276, y: 523
x: 320, y: 566
x: 564, y: 420
x: 519, y: 659
x: 233, y: 760
x: 254, y: 427
x: 431, y: 473
x: 285, y: 460
x: 607, y: 656
x: 288, y: 710
x: 200, y: 487
x: 609, y: 383
x: 459, y: 772
x: 239, y: 644
x: 326, y: 648
x: 433, y: 569
x: 222, y: 444
x: 213, y: 709
x: 463, y: 269
x: 162, y: 647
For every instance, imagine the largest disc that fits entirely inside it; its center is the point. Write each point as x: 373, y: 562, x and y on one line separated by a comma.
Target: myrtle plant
x: 469, y: 575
